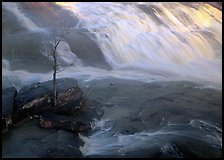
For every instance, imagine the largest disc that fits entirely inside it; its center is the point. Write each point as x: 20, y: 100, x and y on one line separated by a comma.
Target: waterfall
x: 157, y: 37
x: 24, y: 19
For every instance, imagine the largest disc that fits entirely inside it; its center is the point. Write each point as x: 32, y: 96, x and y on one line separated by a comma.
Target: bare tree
x: 59, y: 33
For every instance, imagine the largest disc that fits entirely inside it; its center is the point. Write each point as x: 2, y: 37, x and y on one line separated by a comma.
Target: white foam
x: 140, y: 49
x: 24, y: 20
x: 20, y: 78
x: 105, y: 142
x: 129, y: 37
x: 5, y: 64
x: 66, y: 56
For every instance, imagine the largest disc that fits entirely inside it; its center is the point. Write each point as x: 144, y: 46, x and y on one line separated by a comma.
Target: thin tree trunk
x: 54, y: 77
x: 55, y: 65
x: 54, y: 88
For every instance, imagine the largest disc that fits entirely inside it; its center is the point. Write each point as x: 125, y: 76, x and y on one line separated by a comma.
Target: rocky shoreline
x: 132, y: 107
x: 35, y: 101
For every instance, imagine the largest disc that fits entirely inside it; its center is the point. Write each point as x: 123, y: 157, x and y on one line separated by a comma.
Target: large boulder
x: 37, y: 98
x: 81, y: 122
x: 49, y: 120
x: 8, y: 106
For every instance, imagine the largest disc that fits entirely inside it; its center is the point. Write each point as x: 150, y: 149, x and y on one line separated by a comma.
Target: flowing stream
x: 143, y: 43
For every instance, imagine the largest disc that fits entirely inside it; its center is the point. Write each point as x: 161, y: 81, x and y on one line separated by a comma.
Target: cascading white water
x: 187, y: 42
x: 141, y: 41
x: 102, y: 142
x: 25, y: 21
x: 172, y: 42
x: 64, y: 54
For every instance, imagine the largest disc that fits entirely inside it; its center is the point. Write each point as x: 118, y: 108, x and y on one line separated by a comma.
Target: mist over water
x: 142, y: 46
x: 158, y: 37
x: 25, y: 21
x: 168, y: 41
x: 104, y: 142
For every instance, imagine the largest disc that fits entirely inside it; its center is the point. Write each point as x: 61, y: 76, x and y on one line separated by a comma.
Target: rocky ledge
x: 8, y: 107
x: 72, y: 113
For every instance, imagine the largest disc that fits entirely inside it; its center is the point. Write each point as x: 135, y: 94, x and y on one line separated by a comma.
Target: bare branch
x: 56, y: 45
x: 59, y: 33
x: 62, y: 69
x: 51, y: 64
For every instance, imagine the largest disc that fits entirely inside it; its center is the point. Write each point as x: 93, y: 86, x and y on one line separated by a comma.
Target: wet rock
x: 109, y: 105
x: 83, y: 45
x: 217, y: 5
x: 62, y: 123
x: 8, y: 106
x: 37, y: 98
x: 91, y: 111
x: 81, y: 122
x: 67, y: 152
x: 69, y: 102
x: 170, y: 150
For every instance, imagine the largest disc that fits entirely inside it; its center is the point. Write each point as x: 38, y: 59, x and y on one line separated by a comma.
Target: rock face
x: 36, y: 98
x: 62, y: 123
x: 8, y: 106
x: 81, y: 122
x: 73, y: 112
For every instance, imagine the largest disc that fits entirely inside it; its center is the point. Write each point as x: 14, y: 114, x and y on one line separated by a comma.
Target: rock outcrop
x: 73, y: 112
x: 37, y: 98
x: 80, y: 123
x: 8, y: 106
x: 62, y: 123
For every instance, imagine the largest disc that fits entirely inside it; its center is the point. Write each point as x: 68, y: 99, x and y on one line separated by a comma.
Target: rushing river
x: 165, y: 60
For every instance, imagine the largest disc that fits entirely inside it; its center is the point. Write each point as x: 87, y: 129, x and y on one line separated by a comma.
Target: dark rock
x: 81, y: 122
x: 170, y: 150
x: 83, y: 45
x: 217, y: 5
x: 152, y: 10
x: 8, y: 106
x: 67, y: 152
x: 37, y: 98
x: 109, y: 105
x: 69, y: 102
x: 62, y: 123
x: 36, y: 90
x: 91, y: 111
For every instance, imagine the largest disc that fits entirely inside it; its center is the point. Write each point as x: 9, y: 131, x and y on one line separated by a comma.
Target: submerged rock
x: 37, y: 98
x: 8, y: 106
x: 170, y: 150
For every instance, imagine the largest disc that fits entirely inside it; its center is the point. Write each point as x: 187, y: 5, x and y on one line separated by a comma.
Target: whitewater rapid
x: 171, y: 39
x: 106, y: 143
x: 141, y: 41
x: 147, y: 42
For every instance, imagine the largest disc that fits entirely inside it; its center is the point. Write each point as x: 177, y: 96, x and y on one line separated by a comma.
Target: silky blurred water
x: 155, y: 67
